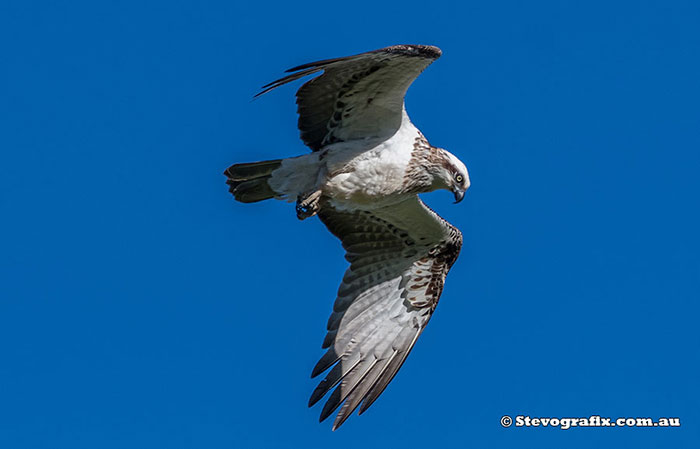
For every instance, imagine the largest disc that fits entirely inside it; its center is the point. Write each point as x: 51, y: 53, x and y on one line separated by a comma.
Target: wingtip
x: 342, y: 417
x: 325, y: 413
x: 316, y: 396
x: 318, y: 369
x: 424, y: 51
x: 264, y: 90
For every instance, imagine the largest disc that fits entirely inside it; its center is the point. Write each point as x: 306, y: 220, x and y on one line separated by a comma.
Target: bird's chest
x: 373, y: 178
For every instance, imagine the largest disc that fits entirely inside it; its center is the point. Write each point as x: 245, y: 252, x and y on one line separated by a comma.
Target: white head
x: 452, y: 175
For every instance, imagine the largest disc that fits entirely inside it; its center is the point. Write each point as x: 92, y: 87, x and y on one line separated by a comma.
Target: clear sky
x: 143, y: 308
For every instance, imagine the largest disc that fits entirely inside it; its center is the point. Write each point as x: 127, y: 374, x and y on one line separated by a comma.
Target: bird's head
x: 452, y: 175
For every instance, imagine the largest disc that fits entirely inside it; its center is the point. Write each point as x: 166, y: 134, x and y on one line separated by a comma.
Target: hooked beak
x: 459, y: 195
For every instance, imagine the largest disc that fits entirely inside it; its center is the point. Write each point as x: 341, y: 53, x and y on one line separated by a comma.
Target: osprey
x: 367, y: 166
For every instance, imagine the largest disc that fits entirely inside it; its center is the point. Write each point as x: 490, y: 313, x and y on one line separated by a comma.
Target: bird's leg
x: 308, y: 204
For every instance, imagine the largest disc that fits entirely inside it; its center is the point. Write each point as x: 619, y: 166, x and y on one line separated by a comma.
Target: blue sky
x: 142, y: 307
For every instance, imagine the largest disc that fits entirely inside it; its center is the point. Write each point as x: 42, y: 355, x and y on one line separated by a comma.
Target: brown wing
x: 399, y: 257
x: 358, y: 96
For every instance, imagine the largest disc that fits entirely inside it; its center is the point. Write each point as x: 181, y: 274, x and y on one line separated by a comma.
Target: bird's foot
x: 308, y: 205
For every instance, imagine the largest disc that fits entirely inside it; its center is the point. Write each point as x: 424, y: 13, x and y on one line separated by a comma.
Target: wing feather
x: 356, y: 97
x: 334, y: 376
x: 388, y: 375
x: 385, y: 300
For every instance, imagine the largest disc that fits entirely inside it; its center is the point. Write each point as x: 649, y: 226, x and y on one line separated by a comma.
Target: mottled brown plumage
x: 354, y: 91
x: 378, y: 247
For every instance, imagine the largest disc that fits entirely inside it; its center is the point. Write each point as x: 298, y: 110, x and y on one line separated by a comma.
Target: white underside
x: 355, y: 174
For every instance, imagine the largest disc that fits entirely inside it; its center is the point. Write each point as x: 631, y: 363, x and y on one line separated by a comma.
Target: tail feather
x: 248, y: 182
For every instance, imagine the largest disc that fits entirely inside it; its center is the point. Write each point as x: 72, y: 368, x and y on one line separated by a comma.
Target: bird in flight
x: 362, y: 179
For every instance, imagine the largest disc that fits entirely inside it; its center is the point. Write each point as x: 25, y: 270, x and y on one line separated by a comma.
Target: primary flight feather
x: 368, y: 165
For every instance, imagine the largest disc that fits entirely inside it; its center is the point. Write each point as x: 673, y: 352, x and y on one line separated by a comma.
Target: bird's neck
x: 424, y: 167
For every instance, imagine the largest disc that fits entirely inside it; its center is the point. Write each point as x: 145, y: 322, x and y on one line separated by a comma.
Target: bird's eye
x: 459, y: 178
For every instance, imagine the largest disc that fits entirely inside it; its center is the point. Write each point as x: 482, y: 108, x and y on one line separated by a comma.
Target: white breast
x: 372, y: 175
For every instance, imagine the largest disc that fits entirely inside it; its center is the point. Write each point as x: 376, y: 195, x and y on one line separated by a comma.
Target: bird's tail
x: 248, y: 182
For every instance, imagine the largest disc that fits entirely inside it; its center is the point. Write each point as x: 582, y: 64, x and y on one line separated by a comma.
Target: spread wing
x: 399, y: 257
x: 358, y: 96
